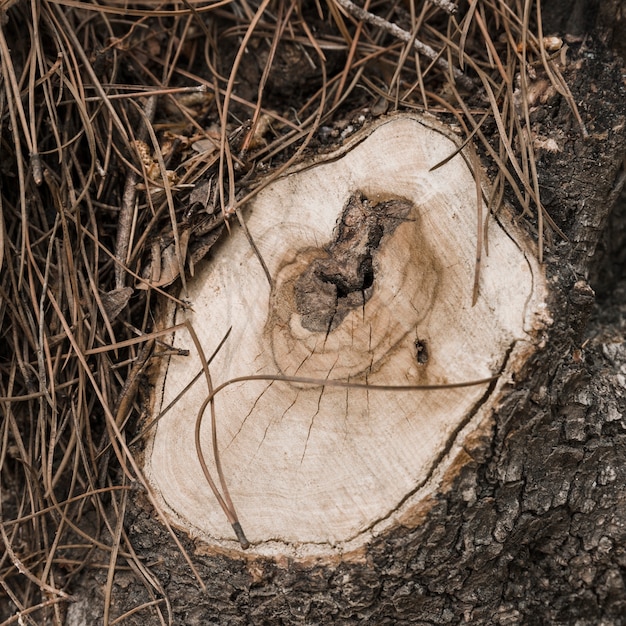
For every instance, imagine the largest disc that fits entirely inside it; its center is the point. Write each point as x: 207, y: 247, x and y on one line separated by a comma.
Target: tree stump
x: 371, y: 257
x: 516, y: 513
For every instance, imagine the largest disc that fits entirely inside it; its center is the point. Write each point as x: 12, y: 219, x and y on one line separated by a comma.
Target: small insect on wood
x: 371, y: 258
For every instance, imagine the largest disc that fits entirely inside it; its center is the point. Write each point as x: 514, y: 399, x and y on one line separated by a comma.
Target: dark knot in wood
x: 343, y: 279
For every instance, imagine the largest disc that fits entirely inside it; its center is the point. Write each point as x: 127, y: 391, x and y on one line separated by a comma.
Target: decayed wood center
x: 372, y: 259
x: 342, y: 278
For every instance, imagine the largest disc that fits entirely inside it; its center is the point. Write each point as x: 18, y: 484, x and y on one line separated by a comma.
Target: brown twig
x: 404, y: 35
x: 127, y: 208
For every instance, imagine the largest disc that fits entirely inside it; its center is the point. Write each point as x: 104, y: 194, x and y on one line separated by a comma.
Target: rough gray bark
x: 533, y: 530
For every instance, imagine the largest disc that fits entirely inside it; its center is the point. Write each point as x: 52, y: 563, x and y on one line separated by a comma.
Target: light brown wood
x: 316, y: 470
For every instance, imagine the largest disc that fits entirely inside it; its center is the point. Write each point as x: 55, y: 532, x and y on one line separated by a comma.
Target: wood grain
x: 311, y: 469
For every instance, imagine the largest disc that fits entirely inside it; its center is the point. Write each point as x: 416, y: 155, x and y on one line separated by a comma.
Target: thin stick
x: 125, y: 220
x: 448, y: 7
x: 404, y: 35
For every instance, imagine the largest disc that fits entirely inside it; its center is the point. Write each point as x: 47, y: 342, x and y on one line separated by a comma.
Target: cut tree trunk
x: 371, y: 258
x: 501, y: 502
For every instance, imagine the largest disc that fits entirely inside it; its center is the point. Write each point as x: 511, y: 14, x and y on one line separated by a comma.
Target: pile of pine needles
x: 131, y: 133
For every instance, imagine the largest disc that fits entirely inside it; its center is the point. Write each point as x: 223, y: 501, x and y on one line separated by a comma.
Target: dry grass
x: 130, y: 134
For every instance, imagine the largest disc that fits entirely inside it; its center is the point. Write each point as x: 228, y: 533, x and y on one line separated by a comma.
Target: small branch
x: 448, y: 7
x: 125, y: 219
x: 403, y: 35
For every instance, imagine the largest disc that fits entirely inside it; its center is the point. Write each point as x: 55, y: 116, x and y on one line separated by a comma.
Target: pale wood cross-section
x: 372, y: 258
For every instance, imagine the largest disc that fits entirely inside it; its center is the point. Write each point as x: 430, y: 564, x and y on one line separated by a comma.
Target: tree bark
x: 532, y: 527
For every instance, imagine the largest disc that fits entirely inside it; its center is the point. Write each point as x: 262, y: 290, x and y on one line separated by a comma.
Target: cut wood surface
x: 372, y: 258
